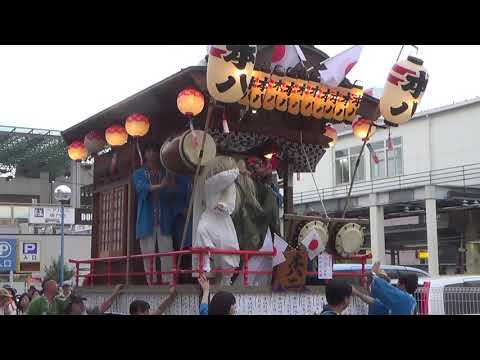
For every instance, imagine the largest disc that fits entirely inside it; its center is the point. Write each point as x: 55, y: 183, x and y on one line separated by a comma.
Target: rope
x: 313, y: 176
x: 357, y: 164
x: 197, y: 172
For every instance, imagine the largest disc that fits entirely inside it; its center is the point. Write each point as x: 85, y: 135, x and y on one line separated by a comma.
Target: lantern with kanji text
x: 116, y: 135
x: 356, y: 93
x: 274, y: 86
x: 229, y: 71
x: 259, y: 88
x: 403, y: 90
x: 77, y: 151
x: 322, y: 93
x: 341, y: 105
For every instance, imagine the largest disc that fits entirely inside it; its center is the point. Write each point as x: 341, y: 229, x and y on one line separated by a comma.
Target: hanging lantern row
x: 298, y: 96
x: 136, y: 125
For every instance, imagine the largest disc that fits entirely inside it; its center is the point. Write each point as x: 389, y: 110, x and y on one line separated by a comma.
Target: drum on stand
x: 181, y: 155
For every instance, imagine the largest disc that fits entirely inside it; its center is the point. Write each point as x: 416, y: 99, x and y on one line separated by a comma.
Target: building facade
x: 421, y: 189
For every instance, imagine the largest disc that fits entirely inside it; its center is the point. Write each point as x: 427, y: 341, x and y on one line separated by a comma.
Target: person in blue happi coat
x: 398, y: 300
x: 161, y: 197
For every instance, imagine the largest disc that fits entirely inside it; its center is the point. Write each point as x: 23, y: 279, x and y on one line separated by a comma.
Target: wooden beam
x: 293, y: 217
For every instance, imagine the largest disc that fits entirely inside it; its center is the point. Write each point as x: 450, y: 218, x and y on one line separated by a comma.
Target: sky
x: 55, y: 87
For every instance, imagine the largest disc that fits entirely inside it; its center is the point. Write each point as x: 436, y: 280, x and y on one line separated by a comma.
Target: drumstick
x: 211, y: 107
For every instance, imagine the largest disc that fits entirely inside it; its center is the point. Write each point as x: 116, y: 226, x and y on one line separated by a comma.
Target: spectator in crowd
x: 23, y: 303
x: 375, y: 306
x: 205, y: 285
x: 49, y: 303
x: 7, y: 303
x: 35, y: 294
x: 13, y: 292
x: 140, y: 307
x: 31, y: 290
x: 222, y: 303
x: 76, y: 306
x: 398, y: 300
x: 66, y: 289
x: 339, y: 296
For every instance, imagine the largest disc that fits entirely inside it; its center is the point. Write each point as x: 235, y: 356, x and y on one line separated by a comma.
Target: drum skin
x: 181, y: 157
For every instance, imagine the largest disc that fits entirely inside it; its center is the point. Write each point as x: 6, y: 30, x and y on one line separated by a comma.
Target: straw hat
x: 5, y: 293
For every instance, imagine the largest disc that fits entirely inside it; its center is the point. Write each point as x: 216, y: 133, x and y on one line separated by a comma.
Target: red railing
x: 201, y: 252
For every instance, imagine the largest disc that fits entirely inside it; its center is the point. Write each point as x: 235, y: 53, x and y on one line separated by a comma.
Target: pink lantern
x: 94, y: 141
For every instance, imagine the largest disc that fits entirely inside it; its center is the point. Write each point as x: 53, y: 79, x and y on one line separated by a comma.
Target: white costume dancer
x: 215, y: 226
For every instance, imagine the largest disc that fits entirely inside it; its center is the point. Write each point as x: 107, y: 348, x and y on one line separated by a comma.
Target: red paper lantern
x: 360, y: 128
x: 190, y: 102
x: 94, y: 141
x: 77, y: 151
x: 331, y: 132
x: 116, y: 135
x: 137, y: 125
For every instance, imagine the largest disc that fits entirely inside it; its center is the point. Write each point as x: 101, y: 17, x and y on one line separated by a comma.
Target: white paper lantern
x: 403, y: 90
x: 229, y: 71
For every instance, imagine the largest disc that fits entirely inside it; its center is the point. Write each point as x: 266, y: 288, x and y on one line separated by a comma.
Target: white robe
x: 215, y: 226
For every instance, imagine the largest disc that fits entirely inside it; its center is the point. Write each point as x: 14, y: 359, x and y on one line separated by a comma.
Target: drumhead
x: 321, y: 230
x: 349, y: 239
x: 191, y: 153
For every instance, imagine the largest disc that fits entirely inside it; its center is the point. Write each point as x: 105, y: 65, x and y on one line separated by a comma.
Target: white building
x: 435, y: 163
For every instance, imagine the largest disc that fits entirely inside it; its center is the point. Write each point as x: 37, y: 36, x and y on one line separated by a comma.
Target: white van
x: 449, y: 295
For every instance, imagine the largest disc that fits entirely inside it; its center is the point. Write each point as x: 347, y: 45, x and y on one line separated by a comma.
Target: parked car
x: 450, y: 295
x: 393, y: 272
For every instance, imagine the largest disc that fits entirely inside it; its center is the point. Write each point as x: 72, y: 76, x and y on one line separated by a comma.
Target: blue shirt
x: 327, y: 310
x: 171, y: 202
x: 377, y: 308
x: 203, y: 309
x: 397, y: 301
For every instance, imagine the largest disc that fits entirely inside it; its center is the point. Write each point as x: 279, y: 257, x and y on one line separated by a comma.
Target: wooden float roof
x: 158, y: 102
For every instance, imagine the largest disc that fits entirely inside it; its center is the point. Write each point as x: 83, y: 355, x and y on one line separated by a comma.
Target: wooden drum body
x: 181, y: 155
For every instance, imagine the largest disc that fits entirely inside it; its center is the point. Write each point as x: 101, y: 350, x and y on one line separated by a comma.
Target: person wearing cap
x: 6, y: 303
x: 76, y: 306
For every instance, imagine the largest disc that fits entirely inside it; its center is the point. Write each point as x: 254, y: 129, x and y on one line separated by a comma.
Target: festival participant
x: 66, y: 289
x: 49, y: 303
x: 154, y: 225
x: 215, y: 227
x: 140, y: 307
x: 398, y: 300
x: 339, y: 296
x: 23, y: 303
x: 375, y: 306
x: 76, y: 306
x: 6, y: 303
x: 222, y: 303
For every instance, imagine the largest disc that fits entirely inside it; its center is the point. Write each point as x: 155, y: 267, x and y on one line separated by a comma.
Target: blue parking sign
x: 8, y: 255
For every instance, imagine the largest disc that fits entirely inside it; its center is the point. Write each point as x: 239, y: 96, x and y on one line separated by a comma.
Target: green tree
x: 52, y: 272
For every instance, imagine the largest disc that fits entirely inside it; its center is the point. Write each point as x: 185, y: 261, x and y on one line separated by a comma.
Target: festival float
x: 237, y: 113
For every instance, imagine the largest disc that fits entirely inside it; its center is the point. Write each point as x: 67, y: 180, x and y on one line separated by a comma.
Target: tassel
x: 389, y: 141
x: 139, y: 153
x: 194, y: 135
x: 226, y: 130
x: 374, y: 155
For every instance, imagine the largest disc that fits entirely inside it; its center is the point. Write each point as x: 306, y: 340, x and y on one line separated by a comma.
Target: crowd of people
x: 382, y: 298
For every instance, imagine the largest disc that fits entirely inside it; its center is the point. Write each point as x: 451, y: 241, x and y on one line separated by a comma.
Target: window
x: 345, y: 161
x: 390, y: 162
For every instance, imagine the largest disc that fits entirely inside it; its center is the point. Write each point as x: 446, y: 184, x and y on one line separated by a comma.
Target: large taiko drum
x: 181, y: 155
